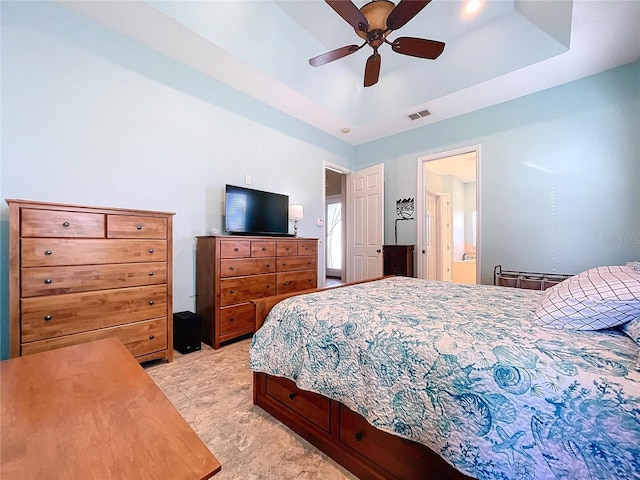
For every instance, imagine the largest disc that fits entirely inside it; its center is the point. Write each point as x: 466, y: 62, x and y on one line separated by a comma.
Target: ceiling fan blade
x: 372, y: 69
x: 333, y: 55
x: 349, y: 12
x: 405, y: 11
x: 418, y: 47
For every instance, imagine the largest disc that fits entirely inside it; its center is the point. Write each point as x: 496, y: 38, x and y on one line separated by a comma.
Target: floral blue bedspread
x: 461, y: 369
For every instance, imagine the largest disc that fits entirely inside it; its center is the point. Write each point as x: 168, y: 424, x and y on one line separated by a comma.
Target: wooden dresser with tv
x: 231, y: 271
x: 79, y: 273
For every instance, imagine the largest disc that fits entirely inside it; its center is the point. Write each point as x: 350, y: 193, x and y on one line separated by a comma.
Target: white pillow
x: 632, y: 329
x: 599, y: 298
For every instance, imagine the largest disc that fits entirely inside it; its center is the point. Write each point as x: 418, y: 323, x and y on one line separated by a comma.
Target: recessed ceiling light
x: 345, y: 130
x: 472, y: 6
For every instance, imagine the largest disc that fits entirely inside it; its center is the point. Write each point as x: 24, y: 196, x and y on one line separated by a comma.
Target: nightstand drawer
x: 58, y: 223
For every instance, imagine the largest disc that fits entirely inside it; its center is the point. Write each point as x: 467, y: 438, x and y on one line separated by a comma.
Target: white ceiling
x: 510, y: 49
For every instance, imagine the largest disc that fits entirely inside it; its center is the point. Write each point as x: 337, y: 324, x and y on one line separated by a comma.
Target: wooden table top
x: 91, y: 411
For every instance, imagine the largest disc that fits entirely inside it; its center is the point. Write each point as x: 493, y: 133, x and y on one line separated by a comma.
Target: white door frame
x: 345, y: 220
x: 420, y: 203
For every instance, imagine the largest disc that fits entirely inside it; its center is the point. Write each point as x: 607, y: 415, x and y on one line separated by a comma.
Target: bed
x: 459, y: 373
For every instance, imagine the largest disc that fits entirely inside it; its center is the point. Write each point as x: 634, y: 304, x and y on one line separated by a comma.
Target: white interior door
x: 431, y: 236
x: 365, y: 200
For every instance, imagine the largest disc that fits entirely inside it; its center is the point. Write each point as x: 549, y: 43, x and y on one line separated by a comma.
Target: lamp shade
x: 295, y: 212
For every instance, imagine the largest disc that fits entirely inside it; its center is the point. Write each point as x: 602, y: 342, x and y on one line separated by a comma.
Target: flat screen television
x: 254, y: 212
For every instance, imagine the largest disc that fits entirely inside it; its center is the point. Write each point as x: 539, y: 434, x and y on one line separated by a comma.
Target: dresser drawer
x: 58, y: 223
x: 235, y: 248
x: 243, y: 289
x: 56, y: 280
x: 237, y: 320
x: 288, y: 264
x: 57, y: 315
x: 295, y: 281
x: 263, y: 248
x: 40, y: 252
x: 307, y: 247
x: 246, y: 266
x: 134, y: 226
x: 284, y: 249
x: 311, y: 405
x: 140, y: 338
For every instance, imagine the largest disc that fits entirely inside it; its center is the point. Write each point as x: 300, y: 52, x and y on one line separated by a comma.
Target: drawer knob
x: 268, y: 286
x: 48, y: 252
x: 151, y: 274
x: 47, y: 318
x: 151, y: 337
x: 268, y: 265
x: 232, y: 291
x: 236, y: 249
x: 284, y: 284
x: 264, y: 249
x: 65, y: 224
x: 151, y: 250
x: 284, y: 264
x: 139, y: 227
x: 359, y: 436
x: 151, y: 302
x: 232, y: 268
x: 48, y: 281
x: 232, y: 319
x: 292, y: 395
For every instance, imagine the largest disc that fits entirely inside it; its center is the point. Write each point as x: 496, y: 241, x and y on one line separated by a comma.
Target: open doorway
x: 447, y: 211
x: 335, y: 226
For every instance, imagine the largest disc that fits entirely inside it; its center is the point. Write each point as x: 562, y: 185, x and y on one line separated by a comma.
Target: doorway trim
x: 420, y: 198
x: 345, y: 220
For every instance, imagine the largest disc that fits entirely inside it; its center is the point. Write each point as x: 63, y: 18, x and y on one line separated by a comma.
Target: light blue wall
x: 559, y: 174
x: 92, y: 118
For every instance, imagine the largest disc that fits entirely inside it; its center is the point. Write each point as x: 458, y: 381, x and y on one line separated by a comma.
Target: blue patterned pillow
x: 632, y: 329
x: 599, y: 298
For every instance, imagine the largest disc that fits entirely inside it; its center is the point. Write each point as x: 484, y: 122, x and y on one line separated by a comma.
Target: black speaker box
x: 186, y: 332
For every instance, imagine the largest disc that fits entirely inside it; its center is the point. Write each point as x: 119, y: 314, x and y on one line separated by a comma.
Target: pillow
x: 634, y: 265
x: 599, y: 298
x: 632, y: 329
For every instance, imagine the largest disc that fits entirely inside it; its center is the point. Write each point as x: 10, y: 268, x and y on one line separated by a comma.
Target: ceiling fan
x: 373, y: 22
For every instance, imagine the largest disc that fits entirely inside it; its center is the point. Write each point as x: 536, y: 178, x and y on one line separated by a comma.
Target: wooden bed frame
x: 345, y: 436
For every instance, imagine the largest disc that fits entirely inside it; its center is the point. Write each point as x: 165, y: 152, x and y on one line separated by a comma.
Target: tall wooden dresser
x: 232, y: 271
x: 79, y: 273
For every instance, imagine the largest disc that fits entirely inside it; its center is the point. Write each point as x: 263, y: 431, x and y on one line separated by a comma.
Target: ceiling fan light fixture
x: 376, y: 13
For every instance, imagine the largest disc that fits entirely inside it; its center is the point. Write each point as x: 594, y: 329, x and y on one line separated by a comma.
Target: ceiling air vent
x: 420, y: 114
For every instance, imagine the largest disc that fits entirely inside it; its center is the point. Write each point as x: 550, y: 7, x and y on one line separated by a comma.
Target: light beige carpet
x: 212, y: 389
